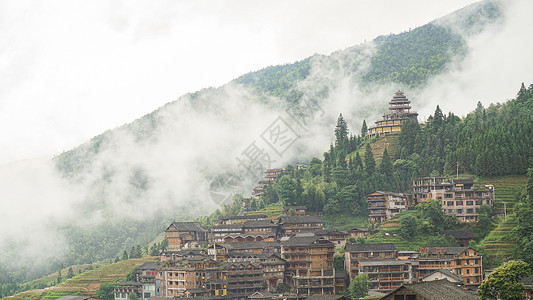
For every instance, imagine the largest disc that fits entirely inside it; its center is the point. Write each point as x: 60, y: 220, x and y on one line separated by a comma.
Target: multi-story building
x: 272, y: 174
x: 387, y: 275
x: 125, y: 288
x: 356, y: 253
x: 273, y: 265
x: 309, y: 264
x: 245, y: 278
x: 174, y: 278
x: 463, y: 261
x: 145, y: 275
x: 220, y: 251
x: 248, y: 231
x: 179, y: 234
x: 458, y: 197
x: 399, y: 112
x: 291, y: 225
x: 384, y: 205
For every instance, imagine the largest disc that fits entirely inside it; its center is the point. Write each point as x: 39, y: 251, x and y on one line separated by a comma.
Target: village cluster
x: 292, y: 257
x: 259, y: 258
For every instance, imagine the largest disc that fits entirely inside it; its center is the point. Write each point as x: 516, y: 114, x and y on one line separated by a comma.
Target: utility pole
x: 457, y: 164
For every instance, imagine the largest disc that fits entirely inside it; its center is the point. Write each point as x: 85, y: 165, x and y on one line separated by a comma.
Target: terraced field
x: 389, y: 141
x: 86, y: 283
x: 505, y: 188
x: 272, y: 211
x: 499, y: 243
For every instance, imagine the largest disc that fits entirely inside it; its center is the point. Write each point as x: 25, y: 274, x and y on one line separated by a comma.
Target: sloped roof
x: 187, y: 226
x: 446, y: 272
x: 301, y: 220
x: 439, y: 290
x: 305, y: 241
x: 370, y: 247
x: 129, y: 283
x: 258, y: 216
x: 251, y: 245
x: 151, y: 265
x: 386, y: 262
x: 463, y: 181
x: 259, y: 223
x: 448, y: 250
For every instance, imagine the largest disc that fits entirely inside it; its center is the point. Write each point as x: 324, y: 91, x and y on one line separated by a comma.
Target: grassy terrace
x: 378, y: 144
x: 272, y: 211
x: 505, y: 188
x: 88, y: 282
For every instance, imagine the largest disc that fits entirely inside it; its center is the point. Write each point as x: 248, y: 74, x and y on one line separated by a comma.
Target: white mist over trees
x: 161, y: 167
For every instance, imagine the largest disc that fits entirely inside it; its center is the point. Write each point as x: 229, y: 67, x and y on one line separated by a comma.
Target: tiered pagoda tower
x: 399, y: 111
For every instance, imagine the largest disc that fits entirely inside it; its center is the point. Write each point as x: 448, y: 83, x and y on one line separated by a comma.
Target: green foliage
x: 370, y: 163
x: 412, y: 57
x: 338, y: 262
x: 448, y: 140
x: 133, y: 296
x: 504, y: 282
x: 524, y: 216
x: 278, y: 80
x: 359, y: 286
x: 105, y: 291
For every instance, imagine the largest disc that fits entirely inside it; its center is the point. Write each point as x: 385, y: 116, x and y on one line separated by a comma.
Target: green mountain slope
x: 126, y: 175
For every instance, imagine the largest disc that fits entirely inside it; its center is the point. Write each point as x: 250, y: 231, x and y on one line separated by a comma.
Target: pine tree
x: 125, y: 255
x: 370, y: 163
x: 341, y: 133
x: 385, y: 167
x: 364, y: 129
x: 70, y: 273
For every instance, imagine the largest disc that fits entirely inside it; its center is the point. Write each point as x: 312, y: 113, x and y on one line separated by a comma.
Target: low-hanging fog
x: 169, y: 170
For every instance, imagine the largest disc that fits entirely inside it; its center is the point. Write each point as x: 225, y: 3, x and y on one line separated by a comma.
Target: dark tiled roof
x: 448, y: 273
x: 259, y: 224
x: 129, y: 283
x: 460, y: 234
x: 188, y: 226
x: 305, y: 241
x: 327, y: 297
x: 151, y: 265
x: 231, y: 226
x: 301, y: 220
x: 370, y: 247
x: 261, y: 216
x: 439, y: 290
x: 389, y: 193
x: 361, y: 229
x: 251, y: 245
x: 463, y: 181
x: 448, y: 250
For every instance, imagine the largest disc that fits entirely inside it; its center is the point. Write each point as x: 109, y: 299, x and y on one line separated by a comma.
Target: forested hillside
x: 116, y: 176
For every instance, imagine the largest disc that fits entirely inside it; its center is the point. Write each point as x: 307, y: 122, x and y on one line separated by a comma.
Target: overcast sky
x: 73, y: 69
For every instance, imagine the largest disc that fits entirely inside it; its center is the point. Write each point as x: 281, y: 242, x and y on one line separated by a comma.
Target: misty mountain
x: 186, y: 158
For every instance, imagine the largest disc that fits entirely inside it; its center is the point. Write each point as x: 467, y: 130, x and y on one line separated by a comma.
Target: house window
x: 469, y: 202
x: 470, y: 211
x: 450, y: 203
x: 459, y: 203
x: 459, y: 211
x: 450, y: 211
